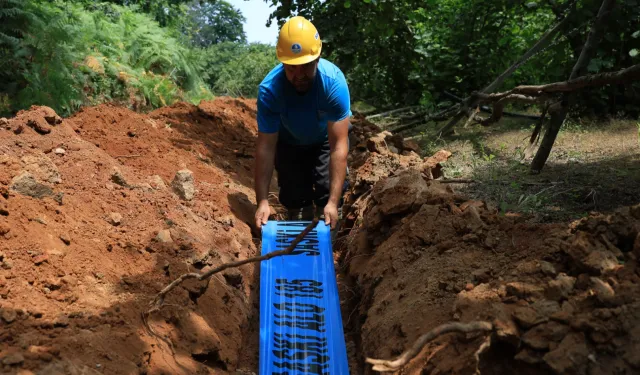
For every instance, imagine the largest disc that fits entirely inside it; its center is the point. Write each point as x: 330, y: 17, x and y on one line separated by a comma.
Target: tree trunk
x: 558, y: 117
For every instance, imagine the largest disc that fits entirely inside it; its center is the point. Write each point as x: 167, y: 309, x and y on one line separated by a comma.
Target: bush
x: 237, y: 69
x: 71, y: 56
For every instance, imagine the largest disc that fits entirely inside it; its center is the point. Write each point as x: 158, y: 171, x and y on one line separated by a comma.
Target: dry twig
x: 382, y: 365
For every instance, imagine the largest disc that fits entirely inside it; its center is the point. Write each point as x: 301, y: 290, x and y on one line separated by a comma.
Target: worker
x: 303, y: 124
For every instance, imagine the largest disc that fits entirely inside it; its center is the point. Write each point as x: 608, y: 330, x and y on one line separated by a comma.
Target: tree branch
x: 396, y: 364
x: 601, y: 79
x: 158, y: 301
x: 498, y: 107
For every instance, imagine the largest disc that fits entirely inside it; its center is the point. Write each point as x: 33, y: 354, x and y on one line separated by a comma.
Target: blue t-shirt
x: 302, y: 119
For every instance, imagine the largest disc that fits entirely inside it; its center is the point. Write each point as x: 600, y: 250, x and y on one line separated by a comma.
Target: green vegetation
x: 65, y: 54
x: 409, y: 52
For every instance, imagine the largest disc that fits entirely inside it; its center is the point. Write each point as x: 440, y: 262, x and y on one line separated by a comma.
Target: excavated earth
x: 100, y: 211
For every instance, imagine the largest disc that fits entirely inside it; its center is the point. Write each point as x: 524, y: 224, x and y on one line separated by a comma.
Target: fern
x: 72, y: 56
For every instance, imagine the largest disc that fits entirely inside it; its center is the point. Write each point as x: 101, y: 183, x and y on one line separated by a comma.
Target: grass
x: 592, y: 167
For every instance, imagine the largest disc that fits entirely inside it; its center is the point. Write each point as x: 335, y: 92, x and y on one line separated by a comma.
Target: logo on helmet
x: 296, y: 48
x: 317, y: 36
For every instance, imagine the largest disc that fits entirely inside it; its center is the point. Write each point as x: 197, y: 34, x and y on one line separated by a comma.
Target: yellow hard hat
x: 298, y: 42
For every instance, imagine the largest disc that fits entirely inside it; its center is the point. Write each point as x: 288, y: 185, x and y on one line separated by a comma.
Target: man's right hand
x: 262, y: 213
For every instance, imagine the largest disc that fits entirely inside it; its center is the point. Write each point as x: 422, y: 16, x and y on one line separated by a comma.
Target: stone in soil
x: 183, y: 184
x: 114, y: 218
x: 26, y: 184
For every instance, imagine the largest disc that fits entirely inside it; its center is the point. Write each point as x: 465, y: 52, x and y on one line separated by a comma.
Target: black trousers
x: 303, y: 175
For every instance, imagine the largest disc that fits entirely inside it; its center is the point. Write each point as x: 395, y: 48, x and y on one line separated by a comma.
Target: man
x: 303, y: 124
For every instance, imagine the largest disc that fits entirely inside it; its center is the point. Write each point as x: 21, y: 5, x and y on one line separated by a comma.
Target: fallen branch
x: 389, y: 113
x: 382, y: 365
x: 498, y: 107
x: 622, y: 76
x: 158, y: 301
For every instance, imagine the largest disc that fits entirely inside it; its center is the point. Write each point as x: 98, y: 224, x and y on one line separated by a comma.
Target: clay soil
x: 99, y: 211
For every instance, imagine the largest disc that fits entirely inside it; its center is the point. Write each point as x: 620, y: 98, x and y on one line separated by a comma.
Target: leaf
x: 367, y: 1
x: 636, y: 34
x: 531, y: 5
x: 633, y: 52
x: 347, y: 4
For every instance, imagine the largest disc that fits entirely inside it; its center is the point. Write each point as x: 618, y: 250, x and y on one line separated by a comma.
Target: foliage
x: 70, y: 56
x: 237, y: 69
x: 209, y: 23
x: 408, y: 51
x: 166, y: 12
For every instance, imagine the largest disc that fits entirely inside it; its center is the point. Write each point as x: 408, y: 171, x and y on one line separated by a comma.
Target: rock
x: 26, y: 184
x: 396, y: 141
x: 399, y: 193
x: 524, y: 290
x: 527, y: 317
x: 483, y: 275
x: 233, y: 277
x: 9, y: 315
x: 570, y: 357
x: 49, y: 115
x: 603, y: 291
x: 164, y: 236
x: 42, y: 168
x: 13, y: 359
x: 118, y: 178
x: 560, y: 288
x: 411, y: 145
x: 545, y: 308
x: 591, y: 255
x: 183, y: 184
x: 541, y: 335
x: 378, y: 144
x: 157, y: 183
x: 4, y: 228
x: 59, y: 151
x: 548, y: 268
x: 66, y: 239
x: 4, y: 123
x: 114, y: 219
x: 146, y: 187
x: 38, y: 260
x: 41, y: 127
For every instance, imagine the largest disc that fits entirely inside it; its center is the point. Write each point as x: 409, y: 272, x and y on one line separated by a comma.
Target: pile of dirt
x: 566, y: 300
x: 99, y: 211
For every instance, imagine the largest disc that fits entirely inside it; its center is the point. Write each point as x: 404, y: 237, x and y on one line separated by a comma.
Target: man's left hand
x: 331, y: 215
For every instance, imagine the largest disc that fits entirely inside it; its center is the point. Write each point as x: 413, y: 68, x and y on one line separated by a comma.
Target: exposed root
x: 382, y: 365
x: 158, y: 301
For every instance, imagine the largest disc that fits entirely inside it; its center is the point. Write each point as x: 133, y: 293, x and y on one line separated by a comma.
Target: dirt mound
x: 99, y: 211
x: 419, y: 255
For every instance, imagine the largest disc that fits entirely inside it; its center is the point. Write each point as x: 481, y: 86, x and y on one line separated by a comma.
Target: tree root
x: 382, y: 365
x: 158, y: 301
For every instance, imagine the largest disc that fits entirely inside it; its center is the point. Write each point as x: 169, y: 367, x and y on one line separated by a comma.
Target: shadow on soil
x: 228, y: 143
x: 562, y: 191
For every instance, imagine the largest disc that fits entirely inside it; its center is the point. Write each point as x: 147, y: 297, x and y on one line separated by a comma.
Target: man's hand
x: 262, y: 213
x: 331, y: 215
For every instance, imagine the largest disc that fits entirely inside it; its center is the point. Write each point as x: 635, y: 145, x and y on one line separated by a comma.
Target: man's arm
x: 339, y: 145
x: 263, y: 171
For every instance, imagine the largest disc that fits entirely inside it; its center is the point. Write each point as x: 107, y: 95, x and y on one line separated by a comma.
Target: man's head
x: 298, y: 49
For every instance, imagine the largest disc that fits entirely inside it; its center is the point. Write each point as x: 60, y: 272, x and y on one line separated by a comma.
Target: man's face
x: 301, y: 76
